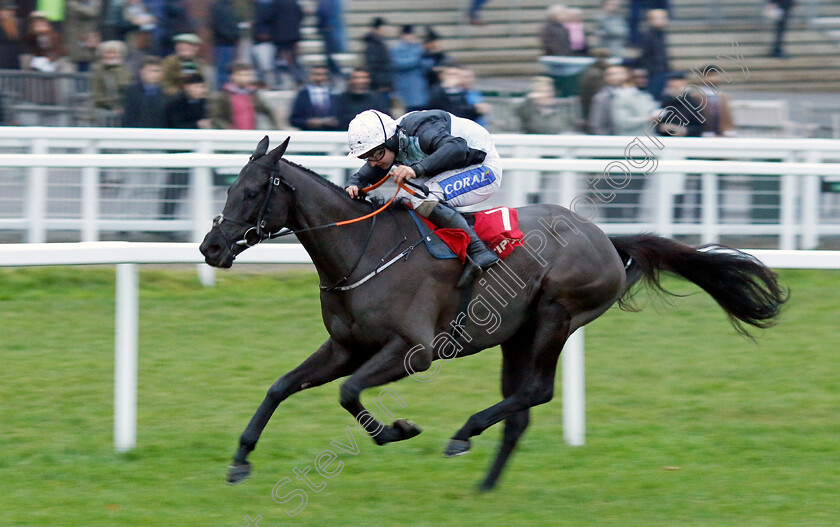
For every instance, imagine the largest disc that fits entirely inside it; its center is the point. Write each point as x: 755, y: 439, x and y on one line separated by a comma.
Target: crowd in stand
x: 630, y: 84
x: 147, y: 65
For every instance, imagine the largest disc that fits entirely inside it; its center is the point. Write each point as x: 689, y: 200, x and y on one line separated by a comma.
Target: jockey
x: 454, y: 157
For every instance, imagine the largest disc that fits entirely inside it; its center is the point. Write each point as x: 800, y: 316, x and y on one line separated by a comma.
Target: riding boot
x: 479, y: 257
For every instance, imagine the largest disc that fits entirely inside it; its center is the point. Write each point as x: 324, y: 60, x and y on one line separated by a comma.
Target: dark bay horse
x: 395, y: 323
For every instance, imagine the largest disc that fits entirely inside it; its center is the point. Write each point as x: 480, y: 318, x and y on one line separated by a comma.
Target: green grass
x: 687, y: 423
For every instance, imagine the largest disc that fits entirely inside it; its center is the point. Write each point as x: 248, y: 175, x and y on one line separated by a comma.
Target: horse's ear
x: 261, y: 149
x: 275, y: 155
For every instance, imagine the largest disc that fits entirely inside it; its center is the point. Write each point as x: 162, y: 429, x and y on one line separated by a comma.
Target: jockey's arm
x: 445, y: 151
x: 367, y: 175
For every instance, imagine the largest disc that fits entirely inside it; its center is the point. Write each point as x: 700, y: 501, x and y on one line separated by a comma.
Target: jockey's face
x: 385, y: 162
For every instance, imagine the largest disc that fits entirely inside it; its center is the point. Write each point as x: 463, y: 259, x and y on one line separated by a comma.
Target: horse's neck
x: 333, y: 250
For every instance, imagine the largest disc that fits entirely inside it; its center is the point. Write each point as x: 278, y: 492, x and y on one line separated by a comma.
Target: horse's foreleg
x: 387, y: 365
x: 537, y: 385
x: 330, y: 362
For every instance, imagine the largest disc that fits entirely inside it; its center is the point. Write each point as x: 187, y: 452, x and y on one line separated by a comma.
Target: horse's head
x: 258, y: 204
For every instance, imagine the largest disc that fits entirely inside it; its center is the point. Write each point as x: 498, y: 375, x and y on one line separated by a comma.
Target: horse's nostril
x: 210, y: 249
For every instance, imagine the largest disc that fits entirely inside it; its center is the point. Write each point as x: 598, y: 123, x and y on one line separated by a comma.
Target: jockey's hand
x: 402, y: 174
x: 352, y: 191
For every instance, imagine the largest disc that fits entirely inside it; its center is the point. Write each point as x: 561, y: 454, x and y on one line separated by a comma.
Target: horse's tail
x: 744, y: 287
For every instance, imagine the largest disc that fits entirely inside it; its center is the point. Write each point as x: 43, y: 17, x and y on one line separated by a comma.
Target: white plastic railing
x: 127, y: 255
x: 546, y: 168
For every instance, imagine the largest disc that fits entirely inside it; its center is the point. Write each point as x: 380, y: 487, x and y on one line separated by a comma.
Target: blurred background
x: 126, y: 120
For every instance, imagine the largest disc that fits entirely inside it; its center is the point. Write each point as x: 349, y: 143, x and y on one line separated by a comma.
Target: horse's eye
x: 250, y: 194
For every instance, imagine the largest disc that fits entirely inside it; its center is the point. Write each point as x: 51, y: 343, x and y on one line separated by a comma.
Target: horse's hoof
x: 407, y: 428
x: 238, y: 472
x: 456, y: 447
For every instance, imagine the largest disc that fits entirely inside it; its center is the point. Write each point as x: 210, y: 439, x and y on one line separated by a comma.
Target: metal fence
x: 91, y: 184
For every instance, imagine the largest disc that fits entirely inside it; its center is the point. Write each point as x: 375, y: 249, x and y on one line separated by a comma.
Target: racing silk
x: 431, y: 142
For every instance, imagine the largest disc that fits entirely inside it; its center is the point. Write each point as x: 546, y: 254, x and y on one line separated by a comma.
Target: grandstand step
x: 743, y: 37
x: 826, y: 22
x: 709, y: 53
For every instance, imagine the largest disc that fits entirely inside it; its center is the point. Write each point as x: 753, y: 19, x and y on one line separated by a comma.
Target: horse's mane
x: 317, y: 177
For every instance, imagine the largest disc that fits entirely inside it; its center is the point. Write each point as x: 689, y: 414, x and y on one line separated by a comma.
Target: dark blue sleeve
x: 300, y: 110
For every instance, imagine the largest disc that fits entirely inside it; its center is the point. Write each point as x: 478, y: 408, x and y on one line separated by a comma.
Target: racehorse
x: 388, y: 322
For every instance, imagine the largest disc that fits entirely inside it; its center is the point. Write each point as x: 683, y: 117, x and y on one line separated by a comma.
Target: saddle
x: 498, y: 228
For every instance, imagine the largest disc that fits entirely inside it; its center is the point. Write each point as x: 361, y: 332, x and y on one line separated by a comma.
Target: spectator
x: 115, y: 25
x: 451, y: 97
x: 174, y: 20
x: 717, y: 113
x: 539, y: 113
x: 188, y: 108
x: 144, y: 105
x: 109, y: 79
x: 181, y: 64
x: 10, y: 36
x: 654, y: 52
x: 676, y: 119
x: 43, y: 44
x: 81, y: 31
x: 140, y: 26
x: 377, y: 57
x: 554, y: 37
x: 287, y: 36
x: 784, y: 8
x: 475, y: 7
x: 592, y: 80
x: 409, y: 71
x: 358, y: 97
x: 434, y: 57
x: 314, y: 107
x: 601, y: 119
x: 263, y: 50
x: 611, y: 28
x: 330, y: 15
x: 639, y: 77
x: 140, y: 47
x: 577, y: 32
x: 638, y: 10
x: 474, y: 97
x: 236, y: 106
x: 633, y: 108
x: 225, y: 29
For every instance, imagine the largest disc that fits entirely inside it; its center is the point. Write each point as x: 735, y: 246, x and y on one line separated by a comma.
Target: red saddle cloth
x: 499, y: 228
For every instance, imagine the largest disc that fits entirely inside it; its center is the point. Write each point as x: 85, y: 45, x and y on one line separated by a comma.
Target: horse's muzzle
x: 216, y: 251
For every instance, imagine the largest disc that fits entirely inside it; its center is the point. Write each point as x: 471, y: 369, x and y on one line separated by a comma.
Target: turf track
x: 687, y: 424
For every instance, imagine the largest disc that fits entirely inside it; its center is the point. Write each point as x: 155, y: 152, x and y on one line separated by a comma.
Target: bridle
x: 257, y: 231
x: 275, y: 180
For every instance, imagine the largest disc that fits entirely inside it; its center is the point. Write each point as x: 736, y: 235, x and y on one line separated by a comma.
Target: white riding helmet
x: 368, y: 130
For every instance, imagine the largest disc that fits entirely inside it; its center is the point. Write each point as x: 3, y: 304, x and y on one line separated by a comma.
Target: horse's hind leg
x: 515, y: 357
x: 537, y: 383
x: 330, y: 362
x: 388, y: 365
